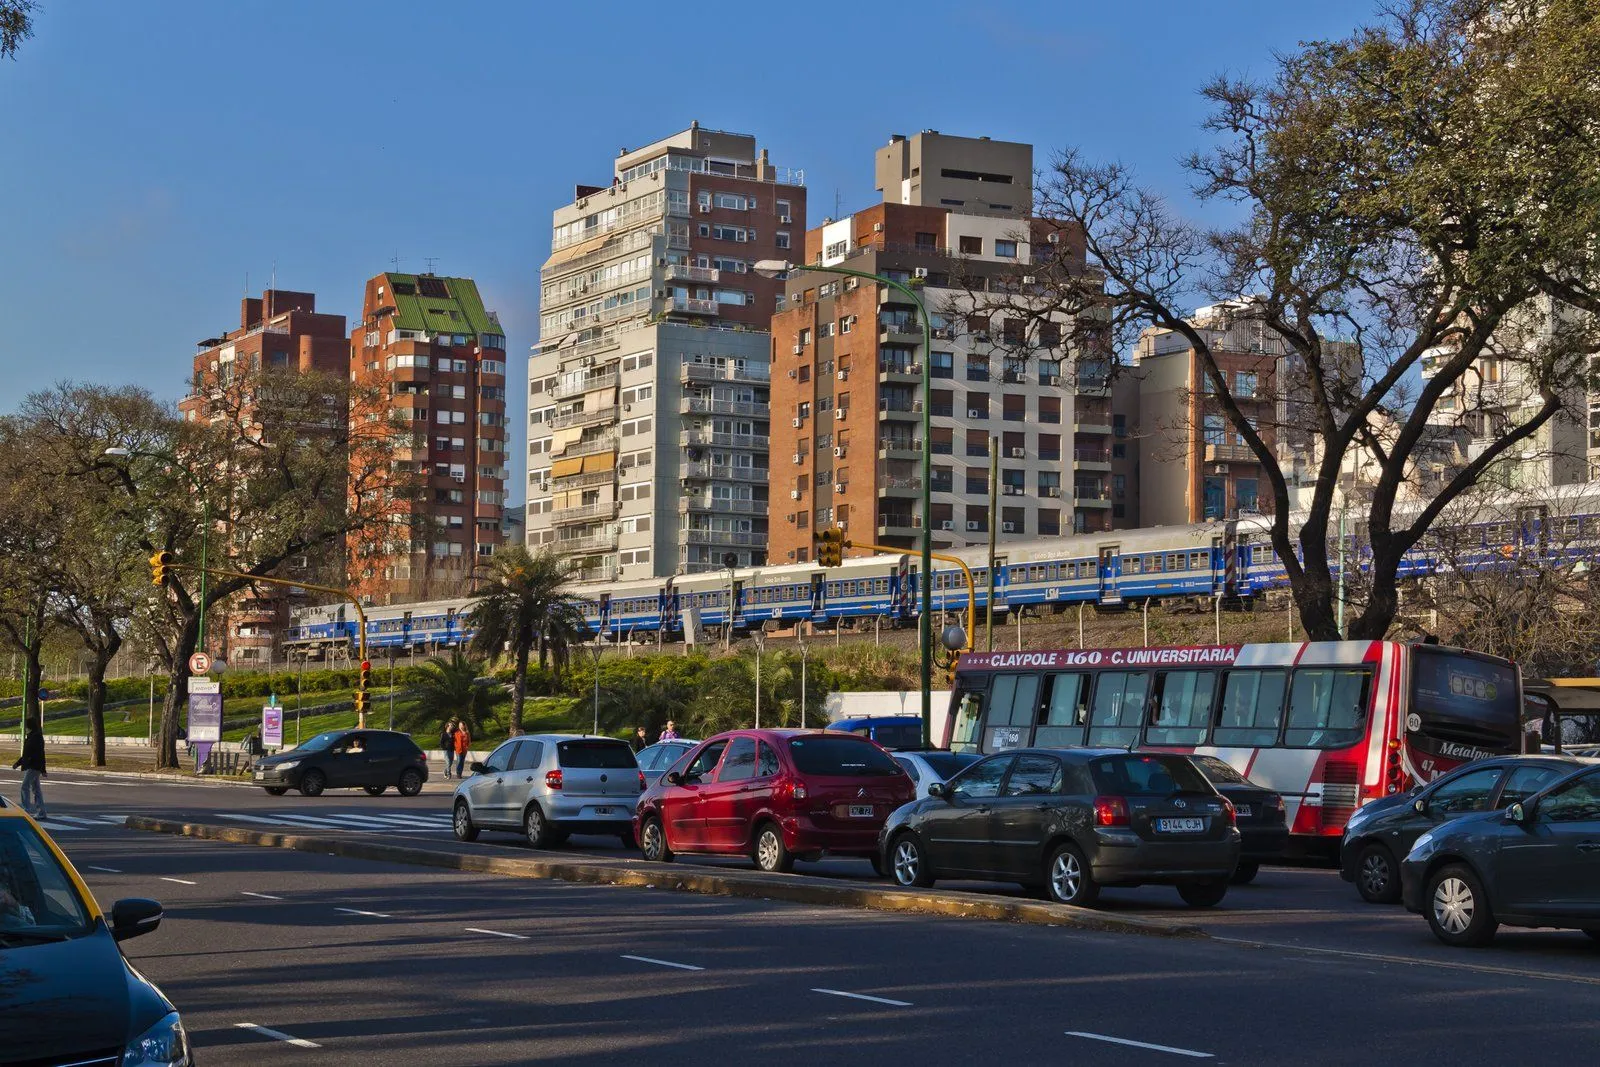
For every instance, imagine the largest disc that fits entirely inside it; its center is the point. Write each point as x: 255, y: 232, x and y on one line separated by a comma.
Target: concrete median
x: 683, y: 878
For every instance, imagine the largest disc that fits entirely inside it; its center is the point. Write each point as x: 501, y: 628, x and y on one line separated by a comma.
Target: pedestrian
x: 447, y: 745
x: 670, y: 733
x: 640, y: 741
x: 462, y: 741
x: 31, y: 763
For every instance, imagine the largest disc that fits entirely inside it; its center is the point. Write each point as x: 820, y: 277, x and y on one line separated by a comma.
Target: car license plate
x: 261, y: 774
x: 602, y: 811
x: 1243, y: 811
x: 861, y: 811
x: 1180, y: 826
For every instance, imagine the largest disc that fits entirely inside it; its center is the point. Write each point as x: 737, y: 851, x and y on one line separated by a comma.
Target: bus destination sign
x: 1058, y: 659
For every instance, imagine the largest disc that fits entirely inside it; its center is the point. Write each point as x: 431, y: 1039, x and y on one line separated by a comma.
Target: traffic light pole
x: 966, y: 572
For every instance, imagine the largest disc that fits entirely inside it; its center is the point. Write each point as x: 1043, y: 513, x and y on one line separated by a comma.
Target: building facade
x: 649, y: 418
x: 848, y: 359
x: 435, y: 359
x: 279, y: 331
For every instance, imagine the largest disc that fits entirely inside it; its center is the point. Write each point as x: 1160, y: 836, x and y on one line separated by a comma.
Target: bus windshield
x: 1465, y: 701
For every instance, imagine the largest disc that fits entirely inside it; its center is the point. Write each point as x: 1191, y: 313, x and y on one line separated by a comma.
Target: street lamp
x: 774, y: 268
x: 760, y: 638
x: 597, y: 649
x: 205, y: 520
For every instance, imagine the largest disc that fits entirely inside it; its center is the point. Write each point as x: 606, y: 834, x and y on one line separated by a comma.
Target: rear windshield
x: 899, y: 735
x: 1218, y: 771
x: 605, y: 755
x: 1147, y: 773
x: 946, y: 764
x: 840, y: 757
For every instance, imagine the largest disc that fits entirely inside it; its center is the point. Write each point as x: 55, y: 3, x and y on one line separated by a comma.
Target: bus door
x: 1110, y: 572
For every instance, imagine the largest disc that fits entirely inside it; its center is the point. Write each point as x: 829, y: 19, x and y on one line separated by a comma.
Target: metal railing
x: 705, y: 471
x: 585, y: 513
x: 727, y: 440
x: 603, y: 541
x: 584, y: 418
x: 721, y: 505
x: 588, y: 383
x: 606, y: 443
x: 1091, y: 455
x: 582, y: 481
x: 751, y: 372
x: 693, y: 305
x: 704, y: 405
x: 684, y: 272
x: 1229, y: 454
x: 696, y: 536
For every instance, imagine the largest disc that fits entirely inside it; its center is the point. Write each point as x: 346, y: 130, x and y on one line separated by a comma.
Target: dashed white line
x: 103, y: 870
x: 277, y: 1035
x: 263, y: 896
x: 497, y: 933
x: 180, y: 881
x: 368, y: 914
x: 863, y: 996
x: 1141, y: 1044
x: 664, y: 963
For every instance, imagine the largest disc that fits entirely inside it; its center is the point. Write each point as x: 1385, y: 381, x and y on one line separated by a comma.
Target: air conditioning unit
x: 785, y: 219
x: 795, y: 423
x: 799, y: 457
x: 838, y: 451
x: 586, y: 361
x: 947, y: 525
x: 1012, y: 490
x: 972, y: 524
x: 1051, y: 491
x: 851, y: 283
x: 1028, y: 279
x: 839, y: 487
x: 705, y: 209
x: 877, y: 227
x: 840, y: 413
x: 1050, y: 379
x: 1018, y: 453
x: 1053, y: 237
x: 792, y: 374
x: 980, y: 335
x: 1008, y: 527
x: 798, y: 349
x: 974, y: 413
x: 1220, y: 468
x: 794, y: 494
x: 843, y: 375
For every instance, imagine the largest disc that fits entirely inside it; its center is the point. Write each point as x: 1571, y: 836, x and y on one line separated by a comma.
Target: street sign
x: 272, y: 726
x: 205, y: 710
x: 199, y: 663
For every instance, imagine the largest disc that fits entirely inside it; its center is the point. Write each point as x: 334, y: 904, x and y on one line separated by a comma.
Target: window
x: 981, y: 780
x: 1035, y: 776
x: 1526, y: 781
x: 1466, y: 793
x: 1215, y: 433
x: 1147, y: 774
x: 1244, y: 384
x: 766, y: 762
x: 527, y: 756
x: 1005, y: 249
x: 841, y: 756
x: 971, y: 246
x: 1327, y: 707
x: 740, y: 762
x: 943, y: 365
x: 1118, y: 708
x: 1065, y: 709
x: 1577, y: 801
x: 1183, y: 708
x: 1252, y: 708
x: 706, y: 762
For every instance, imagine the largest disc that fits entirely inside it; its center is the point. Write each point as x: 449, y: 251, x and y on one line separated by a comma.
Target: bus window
x: 1119, y: 698
x: 1327, y: 707
x: 1066, y: 711
x: 968, y: 714
x: 1182, y: 709
x: 1013, y: 704
x: 1252, y: 709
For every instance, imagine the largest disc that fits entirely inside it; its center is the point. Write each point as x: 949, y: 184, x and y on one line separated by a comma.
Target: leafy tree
x: 521, y: 604
x: 451, y: 689
x: 16, y: 25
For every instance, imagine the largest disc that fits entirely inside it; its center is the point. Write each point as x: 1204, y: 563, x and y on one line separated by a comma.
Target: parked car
x: 1380, y: 833
x: 1072, y: 821
x: 1537, y: 863
x: 70, y: 995
x: 1259, y: 812
x: 926, y: 768
x: 372, y: 760
x: 774, y: 795
x: 654, y: 760
x: 550, y: 786
x: 893, y: 732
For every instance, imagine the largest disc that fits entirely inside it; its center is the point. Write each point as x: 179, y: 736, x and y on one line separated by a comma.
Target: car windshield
x: 320, y: 742
x: 604, y: 755
x: 946, y: 764
x: 38, y: 901
x: 1219, y: 771
x: 840, y: 757
x: 1147, y: 773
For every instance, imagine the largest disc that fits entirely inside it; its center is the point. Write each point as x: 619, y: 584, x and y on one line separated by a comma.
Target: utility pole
x: 760, y: 638
x: 994, y: 526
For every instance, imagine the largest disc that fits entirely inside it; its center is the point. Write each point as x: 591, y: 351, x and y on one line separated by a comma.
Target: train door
x: 1533, y: 527
x: 1222, y: 567
x: 738, y: 603
x: 667, y: 608
x: 1002, y: 580
x: 819, y: 599
x: 1110, y: 572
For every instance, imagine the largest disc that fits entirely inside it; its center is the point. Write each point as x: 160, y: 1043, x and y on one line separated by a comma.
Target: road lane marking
x: 1142, y: 1044
x: 56, y: 827
x: 277, y: 1035
x: 302, y: 822
x: 263, y: 896
x: 497, y: 933
x: 97, y: 820
x: 368, y: 914
x: 1413, y: 961
x: 180, y: 881
x: 664, y: 963
x: 105, y: 870
x: 863, y: 996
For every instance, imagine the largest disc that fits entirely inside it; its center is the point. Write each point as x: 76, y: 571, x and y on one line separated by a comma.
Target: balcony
x: 694, y: 536
x: 604, y: 443
x: 898, y: 332
x: 706, y: 472
x: 900, y: 373
x: 584, y: 418
x: 1091, y: 494
x: 570, y: 387
x: 721, y: 505
x: 891, y: 409
x: 704, y: 438
x: 692, y: 306
x: 1091, y: 421
x: 677, y: 272
x: 899, y: 525
x: 585, y: 513
x: 601, y: 541
x: 1091, y: 456
x: 707, y: 372
x: 583, y: 481
x: 704, y: 405
x: 899, y: 487
x: 899, y: 448
x: 1230, y: 454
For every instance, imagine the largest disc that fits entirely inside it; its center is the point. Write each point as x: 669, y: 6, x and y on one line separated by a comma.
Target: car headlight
x: 1424, y: 844
x: 286, y: 766
x: 163, y: 1045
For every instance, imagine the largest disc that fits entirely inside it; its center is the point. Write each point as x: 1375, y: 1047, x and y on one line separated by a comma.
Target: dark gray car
x: 1071, y: 821
x: 1537, y: 863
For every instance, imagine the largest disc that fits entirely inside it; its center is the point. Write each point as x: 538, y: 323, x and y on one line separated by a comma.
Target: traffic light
x: 361, y: 701
x: 158, y: 568
x: 830, y: 547
x: 366, y: 675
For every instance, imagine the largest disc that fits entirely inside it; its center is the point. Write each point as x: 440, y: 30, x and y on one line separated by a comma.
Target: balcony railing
x: 1229, y: 454
x: 585, y: 513
x: 567, y: 387
x: 706, y: 372
x: 703, y: 405
x: 605, y: 443
x: 1091, y: 455
x: 583, y: 481
x: 694, y: 306
x: 602, y: 541
x: 892, y: 371
x: 705, y: 471
x: 726, y: 440
x: 911, y: 446
x: 695, y: 536
x: 1091, y: 492
x: 584, y: 418
x: 721, y: 505
x: 678, y: 272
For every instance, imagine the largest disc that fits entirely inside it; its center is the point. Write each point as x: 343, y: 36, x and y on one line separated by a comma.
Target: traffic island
x: 792, y: 888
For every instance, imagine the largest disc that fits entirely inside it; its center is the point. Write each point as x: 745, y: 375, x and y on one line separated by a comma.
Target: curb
x: 152, y: 776
x: 793, y: 889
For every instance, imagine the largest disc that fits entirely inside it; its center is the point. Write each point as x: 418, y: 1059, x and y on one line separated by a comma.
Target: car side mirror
x: 479, y: 767
x: 134, y: 916
x: 939, y: 789
x: 673, y: 778
x: 1421, y: 806
x: 1518, y: 814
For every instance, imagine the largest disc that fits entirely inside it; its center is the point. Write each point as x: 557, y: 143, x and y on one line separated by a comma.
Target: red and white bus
x: 1329, y: 724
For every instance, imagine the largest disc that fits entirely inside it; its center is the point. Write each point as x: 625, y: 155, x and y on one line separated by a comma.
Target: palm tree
x: 450, y: 690
x: 522, y: 604
x: 640, y: 700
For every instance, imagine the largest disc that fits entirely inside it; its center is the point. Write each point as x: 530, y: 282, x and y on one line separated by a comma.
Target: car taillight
x: 1230, y: 812
x: 642, y: 786
x: 552, y: 779
x: 1110, y: 811
x: 1274, y: 803
x: 798, y: 790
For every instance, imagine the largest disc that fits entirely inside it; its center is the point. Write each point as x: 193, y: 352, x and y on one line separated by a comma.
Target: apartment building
x: 649, y: 416
x: 278, y: 331
x: 436, y: 358
x: 847, y: 368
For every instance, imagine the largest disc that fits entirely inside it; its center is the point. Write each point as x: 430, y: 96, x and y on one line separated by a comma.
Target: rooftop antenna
x: 838, y: 202
x: 395, y: 259
x: 274, y: 283
x: 246, y: 284
x: 430, y: 261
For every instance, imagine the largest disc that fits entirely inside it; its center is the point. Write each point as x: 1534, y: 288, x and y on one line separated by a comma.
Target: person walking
x: 462, y: 740
x: 670, y: 733
x: 640, y: 741
x: 447, y: 746
x: 31, y: 763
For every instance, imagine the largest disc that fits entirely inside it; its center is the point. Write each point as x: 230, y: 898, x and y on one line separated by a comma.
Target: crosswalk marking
x: 96, y: 820
x: 340, y: 821
x: 57, y: 827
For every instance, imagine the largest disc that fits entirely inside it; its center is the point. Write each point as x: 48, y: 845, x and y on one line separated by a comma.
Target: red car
x: 775, y: 796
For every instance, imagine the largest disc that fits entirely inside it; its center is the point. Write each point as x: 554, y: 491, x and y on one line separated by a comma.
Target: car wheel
x: 1376, y: 877
x: 1458, y: 908
x: 312, y: 783
x: 410, y: 783
x: 770, y: 853
x: 1067, y: 878
x: 1245, y: 873
x: 276, y: 790
x: 653, y: 841
x: 375, y: 790
x: 1206, y: 894
x: 626, y: 837
x: 907, y: 865
x: 462, y: 823
x: 535, y: 826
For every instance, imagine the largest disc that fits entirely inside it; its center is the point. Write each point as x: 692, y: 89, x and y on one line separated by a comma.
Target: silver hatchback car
x: 549, y: 786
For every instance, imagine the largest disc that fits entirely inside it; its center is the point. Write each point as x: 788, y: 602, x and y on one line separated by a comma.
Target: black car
x: 1263, y: 832
x: 1072, y: 821
x: 347, y: 759
x: 1380, y: 833
x: 1536, y: 863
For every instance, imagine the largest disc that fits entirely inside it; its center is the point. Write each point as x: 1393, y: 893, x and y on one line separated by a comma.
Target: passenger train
x: 1232, y: 560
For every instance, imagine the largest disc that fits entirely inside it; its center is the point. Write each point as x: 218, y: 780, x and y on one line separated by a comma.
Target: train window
x: 1088, y: 568
x: 1118, y: 709
x: 1197, y: 561
x: 1069, y: 570
x: 1153, y: 564
x: 1175, y: 561
x: 1251, y: 709
x: 880, y: 585
x: 1064, y: 711
x: 1182, y: 708
x: 1132, y: 565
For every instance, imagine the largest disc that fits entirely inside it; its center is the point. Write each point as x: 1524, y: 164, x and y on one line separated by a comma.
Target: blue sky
x: 154, y: 155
